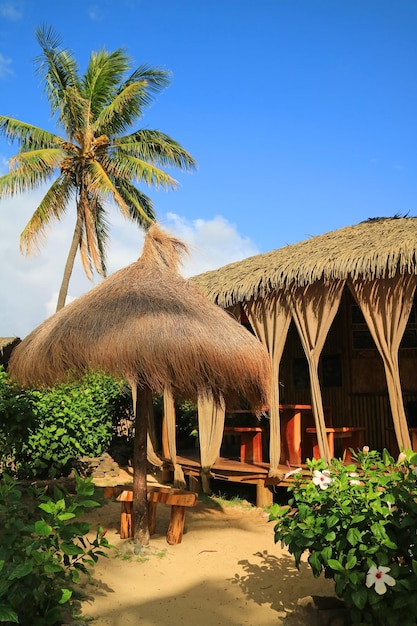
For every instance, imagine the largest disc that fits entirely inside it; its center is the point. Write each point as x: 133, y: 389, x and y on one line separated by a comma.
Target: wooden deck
x: 233, y: 470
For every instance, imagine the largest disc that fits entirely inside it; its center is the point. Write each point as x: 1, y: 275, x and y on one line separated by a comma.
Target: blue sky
x: 301, y: 115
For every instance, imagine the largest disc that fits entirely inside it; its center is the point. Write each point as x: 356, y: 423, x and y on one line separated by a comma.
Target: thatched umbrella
x: 154, y: 328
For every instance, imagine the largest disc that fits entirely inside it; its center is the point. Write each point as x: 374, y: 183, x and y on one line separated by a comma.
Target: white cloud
x: 94, y: 13
x: 29, y: 285
x: 11, y: 11
x: 5, y: 66
x: 213, y: 243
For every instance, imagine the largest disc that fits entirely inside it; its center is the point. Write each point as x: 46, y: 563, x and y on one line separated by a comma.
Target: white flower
x: 292, y: 472
x: 401, y: 457
x: 322, y: 479
x: 365, y: 449
x: 354, y: 480
x: 378, y: 576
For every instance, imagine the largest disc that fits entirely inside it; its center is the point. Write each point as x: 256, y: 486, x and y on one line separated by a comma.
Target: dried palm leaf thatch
x: 375, y: 248
x: 153, y: 327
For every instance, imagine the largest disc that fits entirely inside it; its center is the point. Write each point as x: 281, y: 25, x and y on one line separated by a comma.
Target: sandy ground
x: 227, y: 571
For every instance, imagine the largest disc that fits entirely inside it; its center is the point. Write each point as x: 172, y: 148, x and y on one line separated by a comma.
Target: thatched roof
x: 7, y: 345
x: 151, y: 326
x: 5, y: 342
x: 376, y: 248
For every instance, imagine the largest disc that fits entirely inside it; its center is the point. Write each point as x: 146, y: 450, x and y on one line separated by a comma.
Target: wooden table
x: 250, y: 442
x: 290, y: 422
x: 351, y: 436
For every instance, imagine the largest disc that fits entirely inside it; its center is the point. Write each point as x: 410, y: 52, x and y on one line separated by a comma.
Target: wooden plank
x: 164, y: 495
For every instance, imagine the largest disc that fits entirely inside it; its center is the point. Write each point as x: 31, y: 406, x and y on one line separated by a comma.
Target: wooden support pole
x: 264, y: 495
x: 152, y: 517
x: 176, y: 525
x: 143, y: 407
x: 126, y: 529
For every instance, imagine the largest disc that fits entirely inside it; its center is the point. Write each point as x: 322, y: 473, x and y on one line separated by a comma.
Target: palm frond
x: 94, y: 237
x: 102, y: 235
x: 128, y: 103
x: 141, y: 210
x: 30, y: 137
x: 121, y: 112
x: 52, y: 207
x: 59, y: 71
x: 156, y: 80
x: 101, y: 81
x: 85, y: 255
x: 100, y: 184
x: 77, y: 118
x: 41, y: 161
x: 90, y: 216
x: 156, y: 147
x: 18, y: 181
x: 130, y: 168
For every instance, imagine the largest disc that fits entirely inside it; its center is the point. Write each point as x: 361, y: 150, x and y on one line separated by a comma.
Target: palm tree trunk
x: 69, y: 265
x: 143, y: 408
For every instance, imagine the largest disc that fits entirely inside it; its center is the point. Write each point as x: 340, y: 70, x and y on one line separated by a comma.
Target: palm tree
x: 94, y: 161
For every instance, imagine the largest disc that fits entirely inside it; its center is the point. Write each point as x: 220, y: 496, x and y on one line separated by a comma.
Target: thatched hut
x: 7, y: 345
x: 342, y: 303
x: 154, y: 328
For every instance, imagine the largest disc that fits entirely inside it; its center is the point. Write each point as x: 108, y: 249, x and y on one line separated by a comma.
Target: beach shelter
x: 154, y: 328
x: 376, y: 260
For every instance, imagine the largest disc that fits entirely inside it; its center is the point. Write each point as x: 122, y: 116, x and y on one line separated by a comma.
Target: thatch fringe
x: 375, y: 248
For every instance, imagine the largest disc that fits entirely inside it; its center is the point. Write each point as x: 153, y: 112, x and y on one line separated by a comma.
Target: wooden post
x: 152, y: 517
x: 143, y: 407
x: 176, y: 525
x: 126, y: 530
x: 264, y: 496
x: 194, y: 484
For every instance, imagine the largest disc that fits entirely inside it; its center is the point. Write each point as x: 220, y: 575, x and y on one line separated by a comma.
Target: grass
x: 225, y: 500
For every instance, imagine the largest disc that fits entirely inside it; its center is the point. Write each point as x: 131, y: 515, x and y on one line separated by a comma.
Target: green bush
x: 45, y: 430
x: 43, y: 549
x: 357, y: 523
x: 16, y: 417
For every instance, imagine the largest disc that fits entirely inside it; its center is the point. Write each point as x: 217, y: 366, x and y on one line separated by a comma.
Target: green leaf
x: 332, y: 521
x: 53, y: 568
x: 335, y: 565
x: 71, y: 549
x: 88, y: 503
x: 354, y: 536
x: 326, y: 553
x: 65, y: 596
x: 66, y: 516
x: 42, y: 528
x: 351, y: 562
x: 22, y: 570
x: 359, y: 597
x: 315, y: 562
x: 48, y: 507
x: 7, y: 614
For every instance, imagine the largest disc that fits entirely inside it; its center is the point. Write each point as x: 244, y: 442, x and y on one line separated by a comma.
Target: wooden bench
x: 177, y: 499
